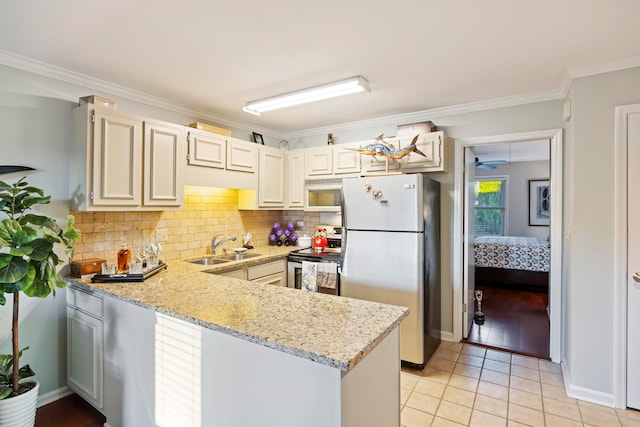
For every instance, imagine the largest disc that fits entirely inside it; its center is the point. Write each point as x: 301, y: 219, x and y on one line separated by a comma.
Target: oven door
x: 294, y: 278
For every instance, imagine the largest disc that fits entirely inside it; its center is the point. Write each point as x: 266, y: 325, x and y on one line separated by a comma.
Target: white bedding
x: 512, y: 252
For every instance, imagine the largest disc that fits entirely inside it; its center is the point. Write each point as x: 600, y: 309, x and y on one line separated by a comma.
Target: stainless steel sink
x: 237, y: 257
x: 220, y: 259
x: 208, y: 260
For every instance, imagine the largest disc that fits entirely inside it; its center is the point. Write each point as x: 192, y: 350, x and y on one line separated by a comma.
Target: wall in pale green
x: 588, y: 264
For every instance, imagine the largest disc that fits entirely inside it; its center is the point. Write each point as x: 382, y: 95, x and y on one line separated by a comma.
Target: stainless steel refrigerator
x: 391, y: 253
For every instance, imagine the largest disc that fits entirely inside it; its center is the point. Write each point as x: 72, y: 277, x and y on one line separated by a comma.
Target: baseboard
x: 52, y: 396
x: 446, y: 336
x: 586, y: 394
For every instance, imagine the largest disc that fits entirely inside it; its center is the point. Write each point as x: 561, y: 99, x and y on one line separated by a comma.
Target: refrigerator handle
x: 344, y: 238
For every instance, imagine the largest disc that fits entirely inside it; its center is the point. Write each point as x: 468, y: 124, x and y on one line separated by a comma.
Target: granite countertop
x: 331, y: 330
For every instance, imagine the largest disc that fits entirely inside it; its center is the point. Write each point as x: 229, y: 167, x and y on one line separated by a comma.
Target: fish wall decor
x: 381, y: 148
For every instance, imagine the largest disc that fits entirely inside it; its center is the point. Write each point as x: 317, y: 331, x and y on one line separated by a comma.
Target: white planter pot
x: 20, y: 411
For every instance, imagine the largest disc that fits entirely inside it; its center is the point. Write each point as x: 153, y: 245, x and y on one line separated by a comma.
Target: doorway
x: 510, y: 255
x: 627, y: 253
x: 462, y: 286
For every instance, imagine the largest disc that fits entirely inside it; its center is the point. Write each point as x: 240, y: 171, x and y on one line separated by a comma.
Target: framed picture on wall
x: 539, y: 202
x: 257, y: 138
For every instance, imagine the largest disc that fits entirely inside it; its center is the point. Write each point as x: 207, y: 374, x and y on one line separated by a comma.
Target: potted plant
x: 28, y: 265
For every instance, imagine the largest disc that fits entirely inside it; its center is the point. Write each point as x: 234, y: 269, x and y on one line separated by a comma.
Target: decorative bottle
x: 123, y: 258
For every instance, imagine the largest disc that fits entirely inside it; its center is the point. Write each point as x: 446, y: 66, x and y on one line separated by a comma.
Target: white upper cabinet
x: 318, y: 162
x: 164, y: 154
x: 345, y: 159
x: 271, y: 178
x: 435, y: 147
x: 217, y: 151
x: 295, y: 179
x: 270, y: 193
x: 119, y: 161
x: 242, y: 156
x: 116, y: 143
x: 207, y: 149
x: 332, y: 161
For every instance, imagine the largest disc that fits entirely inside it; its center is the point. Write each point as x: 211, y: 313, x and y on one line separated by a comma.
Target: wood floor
x: 515, y: 320
x: 70, y: 411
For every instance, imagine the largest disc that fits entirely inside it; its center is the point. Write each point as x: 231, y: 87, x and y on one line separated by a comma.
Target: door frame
x: 620, y: 254
x: 555, y: 229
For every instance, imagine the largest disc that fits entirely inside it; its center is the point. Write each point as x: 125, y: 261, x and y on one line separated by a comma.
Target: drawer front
x: 266, y: 269
x: 85, y: 301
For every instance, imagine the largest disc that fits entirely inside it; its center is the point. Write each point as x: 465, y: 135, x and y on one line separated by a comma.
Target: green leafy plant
x: 27, y: 265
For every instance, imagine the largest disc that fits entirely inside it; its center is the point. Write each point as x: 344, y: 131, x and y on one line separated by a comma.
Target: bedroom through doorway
x: 508, y: 222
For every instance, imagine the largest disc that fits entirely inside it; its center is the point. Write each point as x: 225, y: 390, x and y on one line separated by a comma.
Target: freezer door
x: 387, y: 267
x: 383, y: 203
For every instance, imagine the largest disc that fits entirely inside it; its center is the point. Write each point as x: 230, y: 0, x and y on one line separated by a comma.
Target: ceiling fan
x: 489, y: 164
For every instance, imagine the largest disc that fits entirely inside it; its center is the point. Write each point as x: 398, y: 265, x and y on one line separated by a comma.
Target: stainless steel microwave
x: 323, y: 197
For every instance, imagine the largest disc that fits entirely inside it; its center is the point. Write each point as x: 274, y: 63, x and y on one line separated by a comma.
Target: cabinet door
x: 271, y: 178
x: 84, y: 356
x: 431, y: 144
x: 295, y: 179
x: 318, y: 162
x: 242, y: 156
x: 207, y: 149
x: 278, y: 279
x: 117, y: 160
x: 345, y: 161
x: 164, y: 157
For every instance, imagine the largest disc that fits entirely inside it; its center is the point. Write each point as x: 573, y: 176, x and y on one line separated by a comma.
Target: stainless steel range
x: 332, y: 253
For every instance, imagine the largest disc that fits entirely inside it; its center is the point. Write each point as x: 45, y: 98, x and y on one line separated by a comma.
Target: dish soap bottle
x: 123, y: 257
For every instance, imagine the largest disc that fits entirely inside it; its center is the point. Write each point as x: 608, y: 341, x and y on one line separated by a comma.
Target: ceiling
x: 418, y: 55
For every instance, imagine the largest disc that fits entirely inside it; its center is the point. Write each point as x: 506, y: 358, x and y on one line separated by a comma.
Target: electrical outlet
x: 300, y: 224
x: 162, y: 235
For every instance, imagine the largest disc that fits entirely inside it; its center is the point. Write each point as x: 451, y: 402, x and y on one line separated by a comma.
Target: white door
x: 633, y: 261
x: 469, y: 234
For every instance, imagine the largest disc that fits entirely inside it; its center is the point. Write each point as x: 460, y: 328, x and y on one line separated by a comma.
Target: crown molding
x: 424, y: 115
x: 65, y: 75
x: 603, y: 67
x: 68, y: 76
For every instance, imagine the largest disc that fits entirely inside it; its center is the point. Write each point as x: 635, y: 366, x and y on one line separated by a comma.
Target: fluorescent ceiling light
x: 331, y: 90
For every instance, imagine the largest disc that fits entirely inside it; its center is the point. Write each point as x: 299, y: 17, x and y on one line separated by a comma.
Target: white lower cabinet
x: 272, y: 273
x: 110, y: 348
x: 84, y: 355
x: 162, y: 371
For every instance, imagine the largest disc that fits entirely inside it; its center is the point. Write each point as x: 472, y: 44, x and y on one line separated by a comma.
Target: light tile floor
x: 467, y: 385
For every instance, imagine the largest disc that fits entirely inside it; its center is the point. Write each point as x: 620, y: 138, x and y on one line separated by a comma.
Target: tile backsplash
x: 207, y: 212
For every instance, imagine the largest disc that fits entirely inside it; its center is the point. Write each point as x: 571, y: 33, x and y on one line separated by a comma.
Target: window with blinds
x: 490, y: 206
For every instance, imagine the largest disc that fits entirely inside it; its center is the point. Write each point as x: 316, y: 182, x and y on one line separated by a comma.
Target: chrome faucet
x: 215, y: 242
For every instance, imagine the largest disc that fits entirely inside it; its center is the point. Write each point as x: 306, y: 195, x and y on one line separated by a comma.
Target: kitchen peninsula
x: 190, y: 348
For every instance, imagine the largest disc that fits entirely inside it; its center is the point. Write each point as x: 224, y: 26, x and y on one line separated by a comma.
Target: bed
x: 512, y: 260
